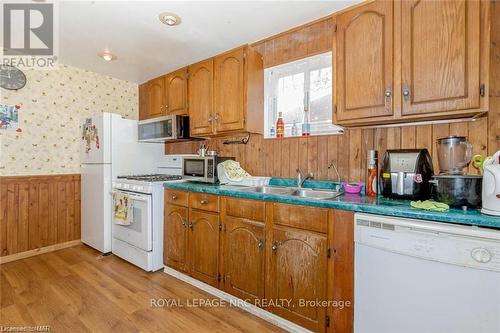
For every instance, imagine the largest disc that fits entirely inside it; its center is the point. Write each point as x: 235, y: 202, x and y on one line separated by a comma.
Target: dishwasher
x: 425, y: 277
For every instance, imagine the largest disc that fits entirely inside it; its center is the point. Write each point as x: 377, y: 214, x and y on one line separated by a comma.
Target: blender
x: 454, y: 154
x: 452, y: 186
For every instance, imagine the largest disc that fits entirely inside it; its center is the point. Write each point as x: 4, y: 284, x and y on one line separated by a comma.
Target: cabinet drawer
x: 244, y: 208
x: 176, y: 197
x: 307, y: 218
x: 205, y: 201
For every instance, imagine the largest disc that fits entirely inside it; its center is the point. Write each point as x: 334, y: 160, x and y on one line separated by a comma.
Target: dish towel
x: 123, y: 210
x: 430, y: 205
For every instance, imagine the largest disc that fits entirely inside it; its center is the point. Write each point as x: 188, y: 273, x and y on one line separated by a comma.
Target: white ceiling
x: 146, y: 48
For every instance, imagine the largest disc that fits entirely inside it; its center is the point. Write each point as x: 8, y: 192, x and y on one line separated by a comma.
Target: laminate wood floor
x: 76, y: 290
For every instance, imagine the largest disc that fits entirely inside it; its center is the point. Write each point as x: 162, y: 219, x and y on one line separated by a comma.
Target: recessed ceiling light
x: 170, y: 19
x: 108, y: 56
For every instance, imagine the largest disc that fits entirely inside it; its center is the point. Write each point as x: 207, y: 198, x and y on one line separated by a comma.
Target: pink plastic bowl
x: 353, y: 188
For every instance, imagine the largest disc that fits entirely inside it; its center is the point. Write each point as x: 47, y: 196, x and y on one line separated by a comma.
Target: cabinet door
x: 204, y: 246
x: 229, y: 91
x: 297, y: 272
x: 155, y: 99
x: 176, y: 92
x: 175, y: 237
x: 440, y: 56
x: 364, y: 62
x: 201, y: 97
x: 244, y: 258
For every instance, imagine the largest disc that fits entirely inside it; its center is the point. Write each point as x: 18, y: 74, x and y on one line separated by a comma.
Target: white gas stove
x: 144, y: 183
x: 141, y: 241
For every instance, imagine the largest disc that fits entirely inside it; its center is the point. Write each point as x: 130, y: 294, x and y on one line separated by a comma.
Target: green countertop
x: 352, y: 202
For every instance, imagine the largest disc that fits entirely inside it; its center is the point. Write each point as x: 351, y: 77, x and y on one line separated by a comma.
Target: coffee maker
x: 405, y: 174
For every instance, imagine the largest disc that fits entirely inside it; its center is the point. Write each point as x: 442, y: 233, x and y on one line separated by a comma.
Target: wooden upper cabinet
x: 176, y: 92
x: 201, y: 98
x: 175, y: 237
x: 364, y: 62
x: 297, y: 272
x: 229, y: 91
x: 244, y: 255
x: 411, y: 60
x: 204, y: 246
x: 155, y: 98
x: 239, y: 91
x: 222, y: 95
x: 440, y: 56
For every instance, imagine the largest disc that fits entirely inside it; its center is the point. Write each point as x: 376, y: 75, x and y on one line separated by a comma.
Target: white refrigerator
x: 108, y: 148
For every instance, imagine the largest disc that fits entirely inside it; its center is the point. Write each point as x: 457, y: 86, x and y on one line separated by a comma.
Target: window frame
x: 270, y: 116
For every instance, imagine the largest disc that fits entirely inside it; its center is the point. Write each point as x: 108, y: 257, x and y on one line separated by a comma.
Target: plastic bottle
x: 295, y: 129
x: 372, y: 174
x: 280, y: 126
x: 272, y: 132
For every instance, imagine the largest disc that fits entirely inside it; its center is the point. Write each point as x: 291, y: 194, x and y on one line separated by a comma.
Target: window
x: 285, y: 89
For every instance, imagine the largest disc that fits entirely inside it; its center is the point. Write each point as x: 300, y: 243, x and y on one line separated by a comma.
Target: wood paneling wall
x: 38, y: 211
x: 494, y: 112
x: 280, y: 158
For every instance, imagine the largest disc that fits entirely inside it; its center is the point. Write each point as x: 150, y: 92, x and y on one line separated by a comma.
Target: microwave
x: 168, y: 128
x: 202, y: 168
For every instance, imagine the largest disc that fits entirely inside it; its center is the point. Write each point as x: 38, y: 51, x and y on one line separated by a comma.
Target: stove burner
x: 152, y: 178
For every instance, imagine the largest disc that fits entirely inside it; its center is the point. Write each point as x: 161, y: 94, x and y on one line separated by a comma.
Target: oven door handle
x: 132, y: 196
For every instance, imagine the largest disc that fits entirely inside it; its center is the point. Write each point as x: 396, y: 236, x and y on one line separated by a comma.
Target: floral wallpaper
x: 52, y: 106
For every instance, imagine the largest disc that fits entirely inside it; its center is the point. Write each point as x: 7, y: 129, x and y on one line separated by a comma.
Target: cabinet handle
x: 260, y: 244
x: 204, y: 202
x: 217, y: 119
x: 274, y: 247
x: 191, y: 226
x: 174, y: 197
x: 184, y: 223
x: 406, y: 94
x: 388, y: 98
x: 210, y: 119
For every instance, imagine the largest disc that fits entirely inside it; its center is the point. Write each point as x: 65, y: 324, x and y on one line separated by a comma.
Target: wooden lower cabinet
x: 341, y: 271
x: 204, y: 246
x: 296, y: 274
x: 262, y: 251
x: 244, y: 257
x: 175, y: 238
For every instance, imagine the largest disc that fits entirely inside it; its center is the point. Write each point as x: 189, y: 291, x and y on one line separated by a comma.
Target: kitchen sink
x: 315, y: 194
x: 271, y: 190
x: 296, y: 192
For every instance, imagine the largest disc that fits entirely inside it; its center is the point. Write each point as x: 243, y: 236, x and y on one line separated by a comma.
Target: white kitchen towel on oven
x: 123, y: 210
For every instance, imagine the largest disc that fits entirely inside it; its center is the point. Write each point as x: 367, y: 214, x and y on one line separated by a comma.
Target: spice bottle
x: 280, y: 126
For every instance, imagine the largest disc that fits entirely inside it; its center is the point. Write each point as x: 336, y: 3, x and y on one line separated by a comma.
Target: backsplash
x: 53, y: 103
x: 281, y: 157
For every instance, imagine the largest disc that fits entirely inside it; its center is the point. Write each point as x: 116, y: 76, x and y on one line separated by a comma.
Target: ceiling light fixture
x: 169, y: 19
x: 108, y: 56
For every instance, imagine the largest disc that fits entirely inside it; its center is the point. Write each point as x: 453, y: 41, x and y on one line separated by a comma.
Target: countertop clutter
x: 350, y: 202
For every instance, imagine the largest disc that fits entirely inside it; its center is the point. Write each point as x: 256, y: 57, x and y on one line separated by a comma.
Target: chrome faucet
x: 301, y: 179
x: 339, y: 180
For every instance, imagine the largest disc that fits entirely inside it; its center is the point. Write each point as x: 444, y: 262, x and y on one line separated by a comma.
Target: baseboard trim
x: 250, y: 308
x: 35, y: 252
